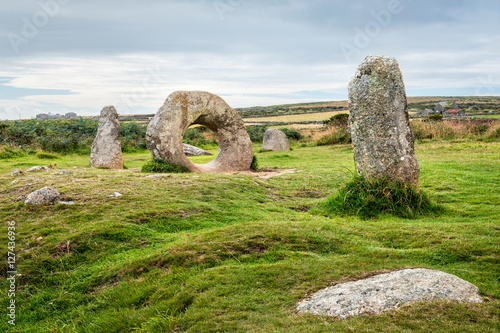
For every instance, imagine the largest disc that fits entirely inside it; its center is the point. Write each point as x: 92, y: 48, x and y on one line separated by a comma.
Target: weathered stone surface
x: 385, y: 292
x: 194, y: 151
x: 37, y: 169
x: 45, y: 195
x: 275, y: 140
x: 107, y: 148
x: 16, y: 172
x: 379, y: 122
x: 185, y: 108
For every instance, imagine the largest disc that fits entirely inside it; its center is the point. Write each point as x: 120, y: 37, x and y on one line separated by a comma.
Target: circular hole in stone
x: 204, y: 138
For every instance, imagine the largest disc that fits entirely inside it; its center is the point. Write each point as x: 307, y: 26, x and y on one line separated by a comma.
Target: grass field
x: 295, y: 118
x: 235, y: 253
x: 496, y: 116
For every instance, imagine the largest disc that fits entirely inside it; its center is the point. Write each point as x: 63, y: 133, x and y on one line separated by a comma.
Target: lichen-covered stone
x: 185, y: 108
x: 275, y: 140
x: 107, y: 148
x: 385, y: 292
x: 46, y: 195
x: 194, y: 151
x: 379, y: 123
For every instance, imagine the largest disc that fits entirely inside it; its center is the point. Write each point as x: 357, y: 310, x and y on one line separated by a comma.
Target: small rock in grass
x: 16, y: 172
x: 385, y: 292
x: 116, y: 195
x: 159, y: 176
x: 37, y: 169
x: 65, y: 173
x: 66, y: 202
x: 39, y: 239
x: 45, y: 195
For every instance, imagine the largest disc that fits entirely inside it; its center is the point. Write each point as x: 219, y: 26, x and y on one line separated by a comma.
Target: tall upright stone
x: 379, y: 123
x: 107, y: 148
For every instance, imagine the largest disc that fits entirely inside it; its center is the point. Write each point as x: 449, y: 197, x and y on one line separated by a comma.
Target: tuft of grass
x: 47, y: 156
x: 368, y: 198
x: 160, y: 166
x: 255, y: 164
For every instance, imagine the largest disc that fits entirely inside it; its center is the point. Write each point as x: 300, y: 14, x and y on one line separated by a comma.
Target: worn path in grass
x: 235, y: 253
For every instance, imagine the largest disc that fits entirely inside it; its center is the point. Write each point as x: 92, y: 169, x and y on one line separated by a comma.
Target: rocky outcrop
x: 185, y: 108
x: 275, y: 140
x: 107, y: 149
x: 194, y: 151
x: 385, y: 292
x: 379, y: 123
x: 16, y: 172
x: 46, y: 195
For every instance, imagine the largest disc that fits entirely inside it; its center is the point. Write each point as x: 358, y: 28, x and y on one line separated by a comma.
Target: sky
x: 78, y: 56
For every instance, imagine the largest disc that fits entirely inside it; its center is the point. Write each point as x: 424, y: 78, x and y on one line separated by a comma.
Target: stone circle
x: 185, y: 108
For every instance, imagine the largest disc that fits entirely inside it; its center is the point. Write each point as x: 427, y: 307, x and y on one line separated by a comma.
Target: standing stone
x: 107, y: 148
x: 185, y: 108
x: 275, y: 140
x: 379, y: 123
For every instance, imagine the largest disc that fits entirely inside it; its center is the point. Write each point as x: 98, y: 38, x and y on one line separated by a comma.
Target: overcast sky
x: 78, y: 56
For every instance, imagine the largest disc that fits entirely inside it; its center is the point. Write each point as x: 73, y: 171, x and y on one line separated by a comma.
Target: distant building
x: 441, y: 107
x: 42, y: 116
x: 50, y: 116
x: 428, y: 112
x: 454, y: 113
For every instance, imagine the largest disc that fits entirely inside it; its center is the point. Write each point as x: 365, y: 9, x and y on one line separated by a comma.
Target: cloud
x: 133, y: 54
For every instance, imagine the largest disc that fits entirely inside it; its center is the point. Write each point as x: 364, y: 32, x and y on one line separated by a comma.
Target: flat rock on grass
x: 45, y: 195
x: 37, y: 169
x: 385, y: 292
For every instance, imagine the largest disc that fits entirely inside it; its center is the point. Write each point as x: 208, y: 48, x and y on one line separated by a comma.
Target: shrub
x: 292, y: 134
x: 133, y: 136
x: 9, y: 152
x: 339, y: 120
x: 256, y: 133
x: 448, y: 129
x: 160, y: 166
x: 336, y: 135
x: 46, y: 156
x: 255, y: 164
x: 195, y: 136
x: 369, y: 198
x: 434, y: 117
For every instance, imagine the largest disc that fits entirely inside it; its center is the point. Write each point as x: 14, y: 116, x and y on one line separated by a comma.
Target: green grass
x: 494, y: 116
x: 159, y: 166
x: 368, y: 198
x: 235, y: 253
